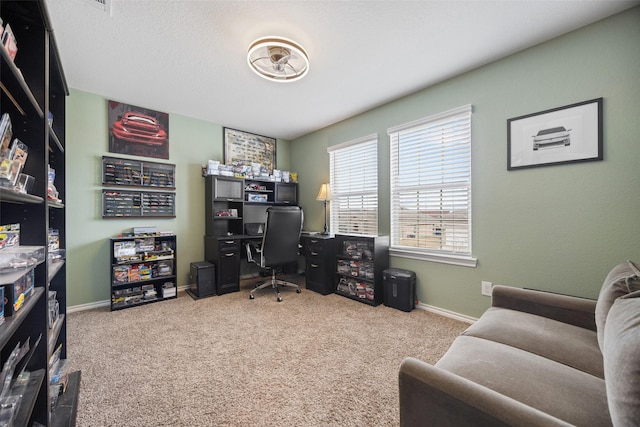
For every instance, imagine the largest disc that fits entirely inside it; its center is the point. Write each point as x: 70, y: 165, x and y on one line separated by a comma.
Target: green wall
x: 192, y: 143
x: 557, y: 228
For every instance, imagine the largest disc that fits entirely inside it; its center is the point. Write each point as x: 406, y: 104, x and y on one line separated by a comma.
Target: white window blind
x: 354, y: 186
x: 431, y: 185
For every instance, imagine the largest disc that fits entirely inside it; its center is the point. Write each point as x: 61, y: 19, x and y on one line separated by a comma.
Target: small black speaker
x: 202, y: 279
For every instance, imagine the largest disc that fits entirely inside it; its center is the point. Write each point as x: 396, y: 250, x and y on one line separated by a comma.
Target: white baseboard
x: 420, y: 306
x: 89, y: 306
x: 100, y: 304
x: 446, y: 313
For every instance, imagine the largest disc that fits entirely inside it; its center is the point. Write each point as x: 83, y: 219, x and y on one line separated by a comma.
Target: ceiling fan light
x: 278, y: 59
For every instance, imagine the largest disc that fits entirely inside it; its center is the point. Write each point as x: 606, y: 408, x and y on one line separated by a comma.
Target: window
x: 431, y: 188
x: 354, y: 186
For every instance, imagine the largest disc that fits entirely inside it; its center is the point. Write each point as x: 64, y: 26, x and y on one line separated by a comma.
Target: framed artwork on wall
x: 568, y: 134
x: 138, y: 131
x: 244, y: 147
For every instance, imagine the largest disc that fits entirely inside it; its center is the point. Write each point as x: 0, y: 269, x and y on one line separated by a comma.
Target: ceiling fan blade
x: 260, y: 58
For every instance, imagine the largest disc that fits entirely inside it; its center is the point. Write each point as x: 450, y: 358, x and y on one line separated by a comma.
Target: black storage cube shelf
x: 203, y: 279
x: 399, y: 288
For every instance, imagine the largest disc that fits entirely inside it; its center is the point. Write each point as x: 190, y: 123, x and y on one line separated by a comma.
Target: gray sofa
x: 536, y: 359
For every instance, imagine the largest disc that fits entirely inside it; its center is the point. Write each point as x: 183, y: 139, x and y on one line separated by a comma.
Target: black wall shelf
x: 134, y: 173
x: 131, y: 204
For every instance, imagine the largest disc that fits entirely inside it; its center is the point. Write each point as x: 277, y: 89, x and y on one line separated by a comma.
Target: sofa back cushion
x: 623, y: 279
x: 621, y: 356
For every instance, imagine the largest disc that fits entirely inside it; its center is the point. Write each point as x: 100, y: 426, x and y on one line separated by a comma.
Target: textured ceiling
x: 189, y: 57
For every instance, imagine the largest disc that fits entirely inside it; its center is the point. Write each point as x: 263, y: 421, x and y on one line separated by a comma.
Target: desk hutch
x: 230, y: 204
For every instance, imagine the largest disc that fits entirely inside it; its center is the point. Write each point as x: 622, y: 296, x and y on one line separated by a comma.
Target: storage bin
x: 399, y: 288
x: 202, y: 279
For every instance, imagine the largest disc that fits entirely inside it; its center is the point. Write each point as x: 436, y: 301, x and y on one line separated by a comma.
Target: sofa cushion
x: 621, y: 280
x: 551, y: 387
x: 622, y: 359
x: 564, y: 343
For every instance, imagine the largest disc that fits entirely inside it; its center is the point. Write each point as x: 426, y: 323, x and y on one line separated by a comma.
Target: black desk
x: 226, y: 253
x: 229, y: 207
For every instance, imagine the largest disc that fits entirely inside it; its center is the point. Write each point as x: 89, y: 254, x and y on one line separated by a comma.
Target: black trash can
x: 202, y: 279
x: 399, y: 288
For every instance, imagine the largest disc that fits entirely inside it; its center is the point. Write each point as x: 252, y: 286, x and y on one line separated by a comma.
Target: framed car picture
x: 138, y: 131
x: 568, y: 134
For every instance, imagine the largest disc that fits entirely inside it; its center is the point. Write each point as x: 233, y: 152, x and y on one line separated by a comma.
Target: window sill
x: 461, y: 260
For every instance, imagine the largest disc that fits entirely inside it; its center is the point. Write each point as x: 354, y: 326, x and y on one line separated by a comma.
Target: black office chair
x: 279, y: 245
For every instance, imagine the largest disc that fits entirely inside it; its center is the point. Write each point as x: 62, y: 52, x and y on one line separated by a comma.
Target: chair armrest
x: 252, y: 247
x: 564, y: 308
x: 438, y: 398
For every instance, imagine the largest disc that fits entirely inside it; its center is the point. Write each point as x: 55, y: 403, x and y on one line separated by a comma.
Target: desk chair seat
x: 279, y: 246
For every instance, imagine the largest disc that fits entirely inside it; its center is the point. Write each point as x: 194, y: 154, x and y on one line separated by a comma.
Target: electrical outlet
x: 486, y: 288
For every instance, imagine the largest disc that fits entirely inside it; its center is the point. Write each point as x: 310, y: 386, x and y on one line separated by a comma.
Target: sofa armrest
x: 563, y: 308
x: 438, y: 398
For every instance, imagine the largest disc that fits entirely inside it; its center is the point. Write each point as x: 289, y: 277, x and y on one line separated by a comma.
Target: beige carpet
x: 310, y: 360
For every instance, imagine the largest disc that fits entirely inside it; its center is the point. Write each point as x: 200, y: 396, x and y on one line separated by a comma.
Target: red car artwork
x: 138, y: 127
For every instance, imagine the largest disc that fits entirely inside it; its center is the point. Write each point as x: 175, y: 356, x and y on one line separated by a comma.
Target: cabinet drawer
x: 311, y: 241
x: 229, y: 245
x: 314, y: 247
x: 319, y: 277
x: 316, y: 271
x: 229, y: 253
x: 314, y: 251
x: 228, y: 272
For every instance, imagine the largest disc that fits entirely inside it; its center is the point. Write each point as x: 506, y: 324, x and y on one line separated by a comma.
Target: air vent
x: 103, y: 5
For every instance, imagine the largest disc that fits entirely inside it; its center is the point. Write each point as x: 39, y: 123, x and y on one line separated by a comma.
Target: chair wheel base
x: 279, y: 299
x: 298, y: 291
x: 251, y: 296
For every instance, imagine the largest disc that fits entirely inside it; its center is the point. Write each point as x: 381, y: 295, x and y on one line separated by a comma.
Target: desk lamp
x: 324, y: 195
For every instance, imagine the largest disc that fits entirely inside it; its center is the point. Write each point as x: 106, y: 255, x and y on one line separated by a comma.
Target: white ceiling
x: 189, y: 57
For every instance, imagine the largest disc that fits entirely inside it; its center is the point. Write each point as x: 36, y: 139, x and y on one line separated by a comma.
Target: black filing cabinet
x: 225, y: 254
x: 319, y: 255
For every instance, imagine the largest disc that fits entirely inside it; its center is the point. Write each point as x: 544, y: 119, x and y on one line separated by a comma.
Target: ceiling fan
x: 278, y: 59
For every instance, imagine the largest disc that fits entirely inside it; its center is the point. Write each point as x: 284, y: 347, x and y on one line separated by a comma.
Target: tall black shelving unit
x: 33, y: 84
